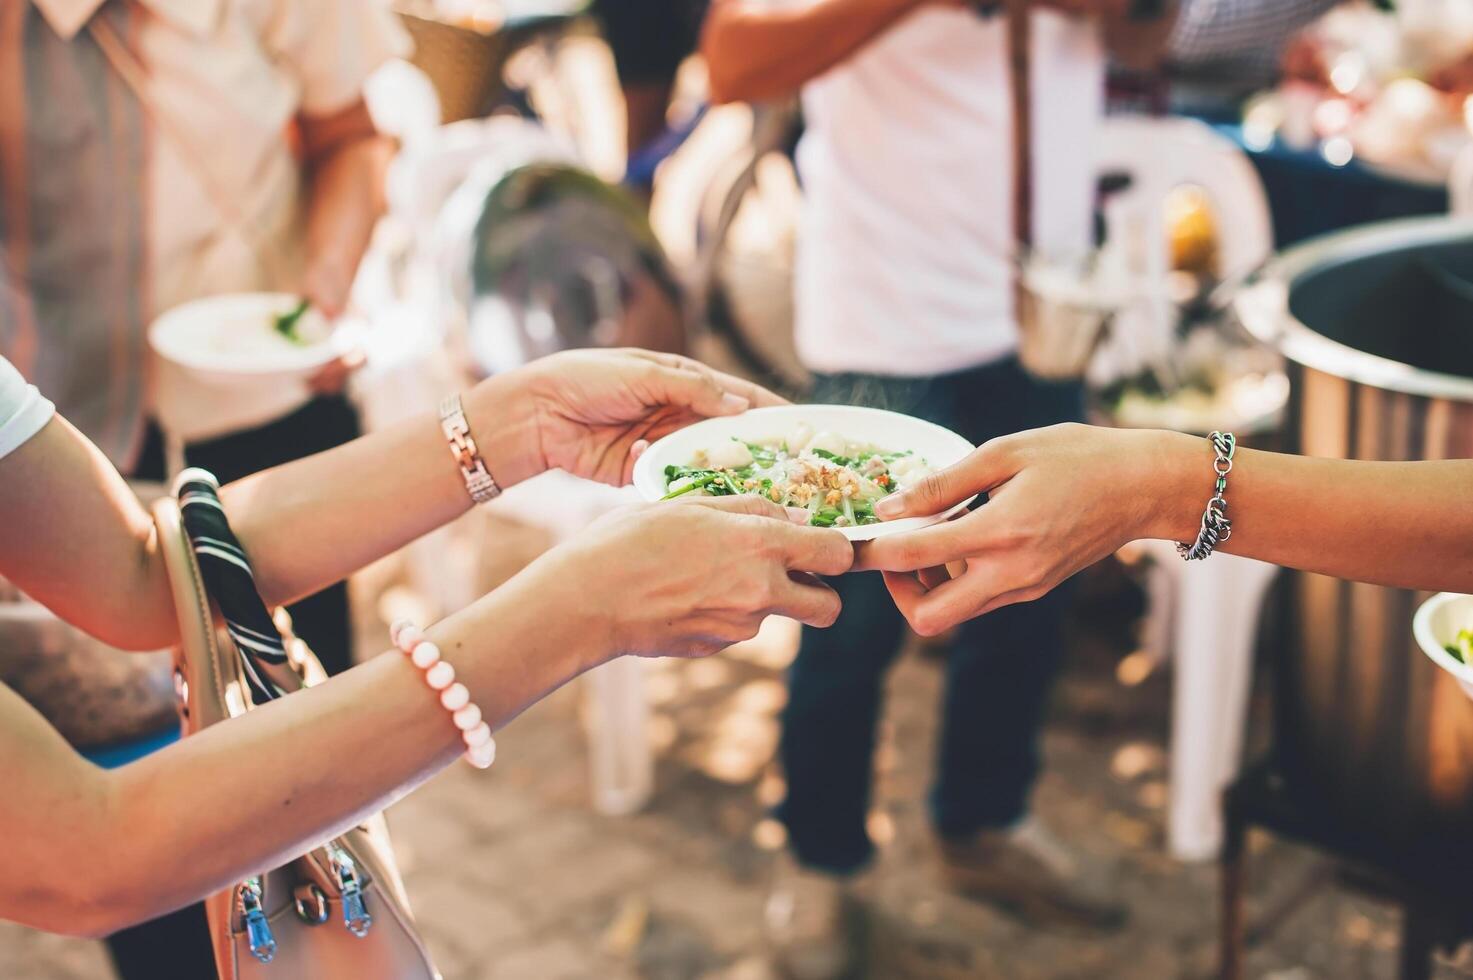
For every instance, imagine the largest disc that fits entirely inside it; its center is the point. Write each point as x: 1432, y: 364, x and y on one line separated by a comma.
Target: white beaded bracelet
x: 480, y: 748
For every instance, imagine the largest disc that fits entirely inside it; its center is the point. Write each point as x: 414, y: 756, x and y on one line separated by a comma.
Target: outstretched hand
x: 595, y: 407
x: 1059, y: 499
x: 590, y: 412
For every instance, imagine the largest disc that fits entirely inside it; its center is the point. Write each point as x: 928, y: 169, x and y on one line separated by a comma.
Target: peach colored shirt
x: 225, y: 80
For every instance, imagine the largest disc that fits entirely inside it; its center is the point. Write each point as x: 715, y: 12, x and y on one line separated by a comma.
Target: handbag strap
x: 226, y: 572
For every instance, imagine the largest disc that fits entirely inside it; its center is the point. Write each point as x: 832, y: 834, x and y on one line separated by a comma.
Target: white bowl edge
x: 1432, y: 634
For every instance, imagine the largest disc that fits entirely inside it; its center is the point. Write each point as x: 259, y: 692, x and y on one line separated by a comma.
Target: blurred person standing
x: 1222, y: 51
x: 905, y: 299
x: 157, y: 151
x: 649, y: 40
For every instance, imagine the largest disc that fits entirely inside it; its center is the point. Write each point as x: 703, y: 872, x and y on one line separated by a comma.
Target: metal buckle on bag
x: 258, y: 930
x: 311, y: 904
x: 355, y: 909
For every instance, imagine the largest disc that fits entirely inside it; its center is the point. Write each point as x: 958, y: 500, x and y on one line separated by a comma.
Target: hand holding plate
x: 691, y: 579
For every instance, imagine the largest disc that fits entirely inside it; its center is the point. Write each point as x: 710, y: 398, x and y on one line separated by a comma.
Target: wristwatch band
x: 479, y: 482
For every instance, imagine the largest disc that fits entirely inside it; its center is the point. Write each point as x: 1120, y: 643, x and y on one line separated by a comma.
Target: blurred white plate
x: 221, y: 365
x: 236, y: 334
x: 891, y: 431
x: 1436, y: 625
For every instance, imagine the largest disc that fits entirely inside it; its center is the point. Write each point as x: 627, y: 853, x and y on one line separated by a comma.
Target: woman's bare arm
x: 1064, y: 497
x: 106, y: 848
x: 97, y: 850
x: 1407, y: 524
x: 74, y: 537
x: 86, y: 548
x: 347, y: 159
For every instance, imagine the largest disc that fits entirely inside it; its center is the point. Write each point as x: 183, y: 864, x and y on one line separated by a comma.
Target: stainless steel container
x: 1377, y: 323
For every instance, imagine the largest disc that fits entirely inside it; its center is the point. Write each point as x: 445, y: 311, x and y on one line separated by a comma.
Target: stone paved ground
x: 513, y: 876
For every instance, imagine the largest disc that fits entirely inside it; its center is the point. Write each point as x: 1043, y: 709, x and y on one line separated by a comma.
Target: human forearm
x: 105, y: 849
x: 76, y: 539
x: 312, y: 522
x: 1064, y: 497
x: 347, y: 161
x: 756, y: 51
x: 87, y: 551
x: 1399, y: 524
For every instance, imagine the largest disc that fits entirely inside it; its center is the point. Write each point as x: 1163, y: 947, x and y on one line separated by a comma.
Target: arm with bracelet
x: 1062, y: 498
x: 107, y: 848
x: 86, y: 550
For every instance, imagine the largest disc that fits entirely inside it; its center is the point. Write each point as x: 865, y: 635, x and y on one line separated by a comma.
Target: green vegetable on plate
x: 286, y: 323
x: 837, y: 482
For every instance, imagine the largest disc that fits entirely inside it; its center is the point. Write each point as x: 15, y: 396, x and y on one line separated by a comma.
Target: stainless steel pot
x: 1377, y: 323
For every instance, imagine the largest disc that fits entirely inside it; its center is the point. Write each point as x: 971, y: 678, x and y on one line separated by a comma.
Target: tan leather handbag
x: 338, y: 911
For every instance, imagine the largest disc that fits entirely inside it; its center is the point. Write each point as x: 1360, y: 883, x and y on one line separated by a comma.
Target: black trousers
x: 177, y: 946
x: 999, y: 668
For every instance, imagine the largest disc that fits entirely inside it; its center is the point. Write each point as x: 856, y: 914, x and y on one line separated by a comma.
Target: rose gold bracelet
x: 480, y: 748
x: 479, y: 482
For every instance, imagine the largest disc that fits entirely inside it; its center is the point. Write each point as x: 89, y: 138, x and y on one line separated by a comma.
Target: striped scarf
x: 226, y: 572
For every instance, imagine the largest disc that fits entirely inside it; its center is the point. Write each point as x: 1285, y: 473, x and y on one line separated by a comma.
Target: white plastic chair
x: 1206, y: 613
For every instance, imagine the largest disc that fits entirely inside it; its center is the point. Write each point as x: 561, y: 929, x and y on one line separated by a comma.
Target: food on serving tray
x: 837, y: 480
x: 1462, y: 646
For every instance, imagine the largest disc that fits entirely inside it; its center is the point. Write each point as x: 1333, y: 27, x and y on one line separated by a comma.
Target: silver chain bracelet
x: 1216, y: 528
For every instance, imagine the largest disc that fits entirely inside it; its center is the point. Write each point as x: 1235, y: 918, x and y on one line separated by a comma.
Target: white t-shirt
x: 23, y: 412
x: 906, y: 236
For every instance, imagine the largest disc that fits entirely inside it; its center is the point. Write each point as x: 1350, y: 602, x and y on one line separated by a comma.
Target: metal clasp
x: 355, y: 909
x: 258, y: 930
x: 311, y: 904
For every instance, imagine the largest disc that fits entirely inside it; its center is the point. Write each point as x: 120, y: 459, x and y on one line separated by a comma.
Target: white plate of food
x: 245, y: 333
x: 237, y: 360
x: 833, y: 460
x: 1443, y: 627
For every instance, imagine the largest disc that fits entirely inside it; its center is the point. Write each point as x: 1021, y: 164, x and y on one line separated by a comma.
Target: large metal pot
x: 1377, y: 323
